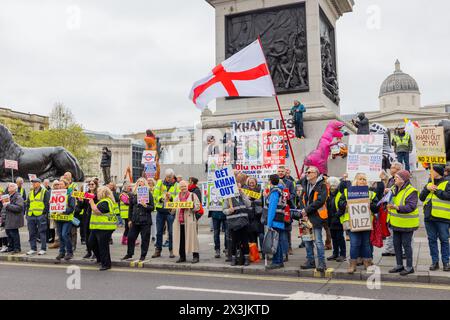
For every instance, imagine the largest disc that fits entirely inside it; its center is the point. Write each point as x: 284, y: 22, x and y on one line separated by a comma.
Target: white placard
x: 58, y: 201
x: 365, y: 156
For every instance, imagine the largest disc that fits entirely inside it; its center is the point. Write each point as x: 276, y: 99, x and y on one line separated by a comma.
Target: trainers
x: 434, y: 267
x: 127, y: 257
x: 217, y: 256
x: 406, y: 272
x: 333, y: 257
x: 171, y: 256
x: 166, y: 244
x: 60, y: 256
x: 42, y: 253
x: 446, y: 267
x: 142, y: 259
x: 195, y: 260
x: 275, y: 266
x: 157, y: 254
x: 87, y: 256
x: 4, y: 249
x: 340, y: 259
x: 68, y: 257
x: 397, y: 270
x: 31, y: 253
x: 181, y: 260
x: 322, y: 267
x: 308, y: 265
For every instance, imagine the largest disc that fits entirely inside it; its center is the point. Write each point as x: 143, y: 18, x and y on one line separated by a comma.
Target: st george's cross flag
x: 245, y: 74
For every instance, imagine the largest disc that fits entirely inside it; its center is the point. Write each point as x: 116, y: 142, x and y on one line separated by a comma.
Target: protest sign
x: 274, y: 148
x: 365, y: 156
x: 359, y: 209
x: 143, y: 195
x: 58, y: 201
x: 262, y: 142
x: 252, y: 194
x: 11, y: 164
x: 430, y: 145
x: 150, y: 170
x: 179, y: 205
x: 260, y: 172
x: 148, y: 157
x: 5, y: 199
x: 214, y: 201
x: 32, y: 177
x: 226, y: 183
x: 82, y: 195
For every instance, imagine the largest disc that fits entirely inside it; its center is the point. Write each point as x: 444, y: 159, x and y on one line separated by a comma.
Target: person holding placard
x: 38, y: 209
x: 64, y: 224
x: 336, y: 229
x: 236, y: 209
x: 389, y: 250
x: 314, y: 199
x: 103, y: 224
x: 140, y: 219
x: 185, y: 228
x: 404, y: 220
x: 436, y: 207
x: 152, y: 184
x: 255, y: 228
x: 124, y: 207
x: 12, y: 217
x: 360, y: 246
x: 165, y: 191
x: 276, y: 213
x: 83, y: 205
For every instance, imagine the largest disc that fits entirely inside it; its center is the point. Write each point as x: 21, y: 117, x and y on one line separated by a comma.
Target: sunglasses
x: 310, y: 172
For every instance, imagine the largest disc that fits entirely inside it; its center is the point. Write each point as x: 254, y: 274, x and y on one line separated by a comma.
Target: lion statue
x: 46, y: 163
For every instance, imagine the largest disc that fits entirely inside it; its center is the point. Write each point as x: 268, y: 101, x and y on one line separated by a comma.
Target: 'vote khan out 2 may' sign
x: 359, y: 209
x: 58, y: 201
x: 225, y: 183
x: 430, y: 145
x: 365, y: 156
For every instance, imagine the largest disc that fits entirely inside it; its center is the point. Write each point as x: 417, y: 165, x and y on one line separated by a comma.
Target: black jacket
x: 443, y: 195
x: 363, y: 126
x: 255, y: 214
x: 313, y: 206
x: 106, y: 160
x: 333, y: 216
x: 138, y: 214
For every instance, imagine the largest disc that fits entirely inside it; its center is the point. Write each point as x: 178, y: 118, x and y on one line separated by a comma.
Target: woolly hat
x: 440, y: 169
x: 404, y: 175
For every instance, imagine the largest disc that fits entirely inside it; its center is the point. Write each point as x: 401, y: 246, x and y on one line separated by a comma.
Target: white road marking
x: 300, y: 295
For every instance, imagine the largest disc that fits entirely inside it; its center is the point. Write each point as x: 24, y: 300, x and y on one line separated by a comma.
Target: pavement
x: 208, y: 263
x: 27, y: 281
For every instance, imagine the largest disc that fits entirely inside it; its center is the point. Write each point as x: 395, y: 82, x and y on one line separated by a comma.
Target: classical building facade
x: 121, y: 149
x: 400, y: 99
x: 34, y: 121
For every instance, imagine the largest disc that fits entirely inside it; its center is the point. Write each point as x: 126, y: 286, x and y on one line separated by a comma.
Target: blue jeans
x: 319, y: 244
x: 161, y: 219
x: 13, y: 239
x: 37, y: 226
x: 219, y: 225
x: 403, y: 158
x: 360, y: 245
x: 282, y: 250
x: 64, y: 232
x: 438, y: 230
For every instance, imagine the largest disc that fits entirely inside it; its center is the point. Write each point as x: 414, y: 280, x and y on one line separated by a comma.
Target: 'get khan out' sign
x: 225, y: 183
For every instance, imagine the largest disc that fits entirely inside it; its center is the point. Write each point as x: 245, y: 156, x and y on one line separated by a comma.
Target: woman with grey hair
x: 12, y: 217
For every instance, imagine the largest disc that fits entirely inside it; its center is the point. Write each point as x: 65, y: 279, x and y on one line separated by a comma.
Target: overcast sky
x: 125, y: 66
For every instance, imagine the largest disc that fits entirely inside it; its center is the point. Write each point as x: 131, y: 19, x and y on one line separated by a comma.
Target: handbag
x: 270, y: 243
x: 376, y: 236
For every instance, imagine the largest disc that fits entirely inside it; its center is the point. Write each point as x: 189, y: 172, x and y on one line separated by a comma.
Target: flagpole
x: 282, y: 118
x: 287, y: 137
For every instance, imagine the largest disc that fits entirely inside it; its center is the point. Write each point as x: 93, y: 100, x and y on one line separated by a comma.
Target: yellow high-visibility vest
x: 37, y: 204
x: 402, y: 220
x: 104, y: 221
x: 439, y: 208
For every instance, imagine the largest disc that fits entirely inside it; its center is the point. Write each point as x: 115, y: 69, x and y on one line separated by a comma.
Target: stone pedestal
x: 320, y: 21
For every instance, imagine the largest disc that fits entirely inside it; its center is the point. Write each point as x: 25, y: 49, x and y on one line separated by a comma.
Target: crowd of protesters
x: 317, y: 202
